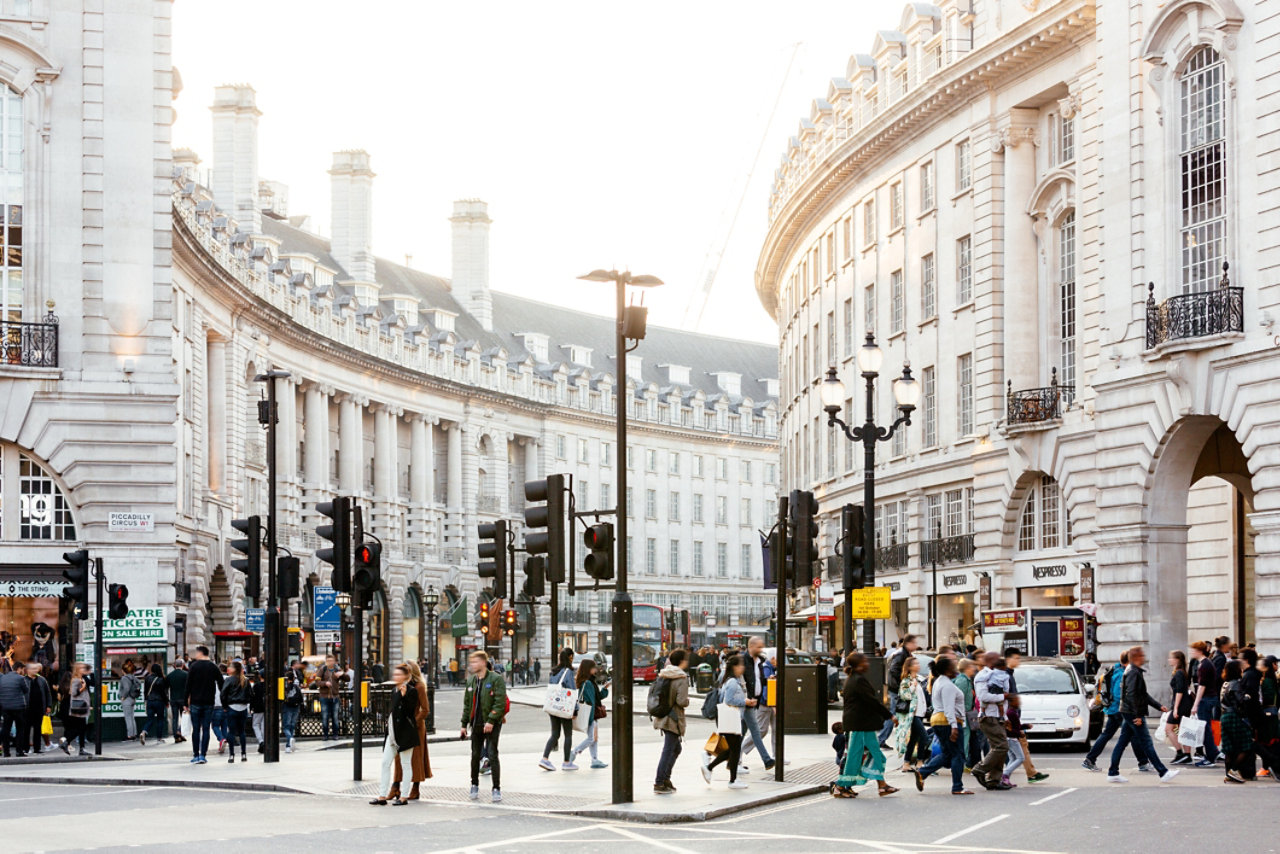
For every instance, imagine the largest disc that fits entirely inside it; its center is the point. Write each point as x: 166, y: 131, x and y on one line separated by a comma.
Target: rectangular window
x: 831, y: 253
x: 631, y: 505
x: 606, y: 496
x: 697, y: 465
x: 848, y: 327
x: 722, y: 468
x: 1067, y: 306
x: 722, y: 510
x: 770, y: 473
x: 964, y: 395
x: 869, y: 222
x: 932, y: 517
x: 928, y: 293
x: 964, y: 270
x: 673, y: 462
x: 650, y: 504
x: 630, y: 556
x: 896, y: 214
x: 1050, y: 502
x: 900, y: 442
x: 722, y: 560
x: 631, y: 457
x: 606, y: 454
x: 744, y: 469
x: 673, y: 507
x: 650, y: 460
x: 673, y: 558
x: 817, y: 350
x: 955, y: 512
x: 964, y: 178
x: 698, y: 549
x: 744, y: 513
x: 869, y: 308
x: 926, y: 186
x: 929, y: 407
x: 697, y: 507
x: 562, y: 451
x: 1066, y: 140
x: 744, y: 566
x: 847, y: 238
x: 814, y: 271
x: 1027, y: 528
x: 897, y: 303
x: 584, y: 449
x: 848, y: 446
x: 651, y: 556
x: 1203, y: 170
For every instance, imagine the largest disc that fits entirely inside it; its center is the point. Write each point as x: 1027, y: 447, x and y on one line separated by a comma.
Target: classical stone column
x: 350, y: 446
x: 316, y: 432
x: 216, y: 403
x: 455, y: 512
x: 420, y: 476
x: 385, y: 451
x: 287, y: 448
x: 1017, y: 140
x: 531, y: 467
x: 1266, y: 578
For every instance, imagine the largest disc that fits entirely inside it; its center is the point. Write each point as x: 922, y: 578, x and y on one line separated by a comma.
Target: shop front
x: 1046, y: 583
x: 142, y: 638
x: 899, y: 622
x: 952, y: 595
x: 35, y: 623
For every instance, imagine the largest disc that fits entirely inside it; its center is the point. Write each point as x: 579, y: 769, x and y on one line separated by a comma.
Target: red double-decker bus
x: 652, y: 637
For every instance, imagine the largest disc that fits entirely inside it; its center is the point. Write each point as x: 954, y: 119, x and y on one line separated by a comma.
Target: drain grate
x: 457, y: 794
x: 819, y: 772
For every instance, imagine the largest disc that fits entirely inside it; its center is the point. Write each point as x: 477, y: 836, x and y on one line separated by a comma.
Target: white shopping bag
x: 1191, y: 732
x: 1162, y: 731
x: 184, y: 724
x: 729, y: 719
x: 561, y: 701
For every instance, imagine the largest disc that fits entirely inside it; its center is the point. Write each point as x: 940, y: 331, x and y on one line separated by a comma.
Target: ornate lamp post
x: 431, y: 599
x: 906, y: 393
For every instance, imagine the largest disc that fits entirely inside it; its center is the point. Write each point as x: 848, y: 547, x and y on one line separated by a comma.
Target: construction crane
x: 729, y: 220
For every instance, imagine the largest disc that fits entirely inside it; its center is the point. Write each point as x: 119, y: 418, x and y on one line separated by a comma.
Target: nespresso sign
x: 1041, y: 572
x: 1045, y: 574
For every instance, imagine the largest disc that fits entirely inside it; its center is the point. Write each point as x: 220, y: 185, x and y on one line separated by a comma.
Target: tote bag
x: 728, y: 719
x: 560, y: 701
x: 1162, y: 731
x: 1191, y: 732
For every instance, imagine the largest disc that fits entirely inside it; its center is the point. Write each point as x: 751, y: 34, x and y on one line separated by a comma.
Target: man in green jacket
x: 484, y: 706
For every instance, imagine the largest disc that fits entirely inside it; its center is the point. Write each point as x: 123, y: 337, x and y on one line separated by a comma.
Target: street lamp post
x: 906, y: 393
x: 430, y: 599
x: 630, y: 325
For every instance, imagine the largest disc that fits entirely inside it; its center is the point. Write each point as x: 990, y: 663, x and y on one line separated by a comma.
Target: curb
x: 176, y: 784
x: 654, y: 817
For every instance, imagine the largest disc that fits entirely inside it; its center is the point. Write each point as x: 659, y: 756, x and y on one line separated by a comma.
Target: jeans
x: 329, y: 716
x: 557, y: 726
x: 127, y: 706
x: 917, y: 741
x: 752, y: 718
x: 175, y: 712
x: 201, y: 719
x: 35, y: 719
x: 1140, y: 737
x: 259, y: 726
x: 1016, y: 757
x: 289, y: 721
x: 952, y: 756
x: 992, y: 767
x: 1109, y: 729
x: 671, y: 748
x: 13, y: 729
x: 219, y: 719
x: 236, y: 721
x: 390, y: 751
x: 589, y: 743
x: 1207, y: 711
x: 887, y: 729
x: 732, y: 756
x: 154, y: 726
x: 486, y: 743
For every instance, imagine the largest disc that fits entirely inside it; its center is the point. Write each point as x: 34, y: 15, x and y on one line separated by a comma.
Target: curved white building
x: 1034, y: 203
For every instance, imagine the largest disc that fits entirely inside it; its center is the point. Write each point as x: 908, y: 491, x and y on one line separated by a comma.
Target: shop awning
x: 806, y: 615
x: 457, y: 617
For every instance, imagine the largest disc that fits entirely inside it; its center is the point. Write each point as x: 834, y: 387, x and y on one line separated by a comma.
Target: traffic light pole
x: 778, y: 560
x: 623, y: 772
x: 273, y: 633
x: 99, y: 682
x: 357, y: 687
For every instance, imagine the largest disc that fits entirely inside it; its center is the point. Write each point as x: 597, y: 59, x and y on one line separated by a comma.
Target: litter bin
x: 706, y: 679
x: 806, y: 700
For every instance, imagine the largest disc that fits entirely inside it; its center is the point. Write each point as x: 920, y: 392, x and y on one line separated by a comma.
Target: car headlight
x: 1079, y: 723
x: 1073, y: 711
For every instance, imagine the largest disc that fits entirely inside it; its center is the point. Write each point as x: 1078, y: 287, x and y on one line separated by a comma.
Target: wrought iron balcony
x: 892, y: 556
x: 32, y: 345
x: 1034, y: 405
x: 1195, y: 315
x: 954, y: 549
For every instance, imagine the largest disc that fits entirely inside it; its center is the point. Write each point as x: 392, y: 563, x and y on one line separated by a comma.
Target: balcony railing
x: 32, y: 345
x: 954, y: 549
x: 1033, y: 405
x: 1195, y: 315
x: 892, y: 556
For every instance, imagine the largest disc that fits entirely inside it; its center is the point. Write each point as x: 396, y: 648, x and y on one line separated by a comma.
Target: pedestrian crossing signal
x: 509, y: 621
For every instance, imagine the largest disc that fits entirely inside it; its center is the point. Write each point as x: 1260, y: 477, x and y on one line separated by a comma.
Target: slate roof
x: 513, y: 315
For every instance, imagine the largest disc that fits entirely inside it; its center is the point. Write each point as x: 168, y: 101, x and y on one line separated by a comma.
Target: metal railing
x: 1033, y: 405
x: 374, y: 721
x: 1195, y: 315
x: 954, y: 549
x: 32, y: 345
x: 892, y: 556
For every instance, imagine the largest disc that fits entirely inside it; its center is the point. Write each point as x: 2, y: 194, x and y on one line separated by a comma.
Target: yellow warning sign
x: 870, y: 603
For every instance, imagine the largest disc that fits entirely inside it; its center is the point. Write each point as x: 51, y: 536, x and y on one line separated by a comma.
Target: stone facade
x: 1032, y: 203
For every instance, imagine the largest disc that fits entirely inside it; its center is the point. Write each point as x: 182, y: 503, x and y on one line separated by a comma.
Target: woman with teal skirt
x: 863, y: 716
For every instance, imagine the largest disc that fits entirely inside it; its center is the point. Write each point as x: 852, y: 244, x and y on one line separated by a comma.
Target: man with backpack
x: 1109, y: 690
x: 668, y: 698
x: 293, y: 699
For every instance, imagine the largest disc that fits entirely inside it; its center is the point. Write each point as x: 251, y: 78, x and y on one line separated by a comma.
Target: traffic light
x: 853, y: 554
x: 339, y: 533
x: 535, y: 579
x: 117, y: 601
x: 684, y: 623
x: 599, y: 541
x: 251, y: 548
x: 78, y: 575
x: 549, y: 515
x: 781, y: 560
x: 493, y: 555
x: 803, y: 508
x: 288, y: 572
x: 484, y: 617
x: 368, y: 571
x: 509, y: 621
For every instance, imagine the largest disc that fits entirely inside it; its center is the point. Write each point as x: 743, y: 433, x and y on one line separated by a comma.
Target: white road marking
x: 752, y: 815
x: 1051, y: 797
x: 113, y: 790
x: 630, y: 834
x: 517, y: 840
x: 948, y: 838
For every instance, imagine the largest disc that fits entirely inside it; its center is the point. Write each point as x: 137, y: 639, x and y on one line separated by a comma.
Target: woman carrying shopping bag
x: 590, y: 697
x: 733, y: 702
x: 561, y: 681
x: 402, y: 731
x: 863, y: 716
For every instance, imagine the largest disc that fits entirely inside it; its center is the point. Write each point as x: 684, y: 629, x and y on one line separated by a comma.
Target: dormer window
x: 406, y: 308
x: 635, y: 366
x: 442, y: 320
x: 579, y: 355
x: 729, y: 382
x: 771, y: 387
x: 366, y: 295
x: 536, y: 343
x: 677, y: 374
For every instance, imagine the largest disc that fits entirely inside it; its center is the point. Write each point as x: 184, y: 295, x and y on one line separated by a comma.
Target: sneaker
x: 159, y: 741
x: 1205, y: 763
x: 1168, y: 775
x: 288, y: 748
x: 663, y: 789
x: 1146, y: 769
x: 475, y: 793
x: 66, y: 748
x: 222, y: 745
x: 1182, y: 759
x: 203, y: 761
x: 1116, y: 778
x: 142, y: 737
x: 768, y: 766
x: 232, y: 760
x: 546, y: 765
x: 1038, y: 777
x: 497, y: 796
x: 1006, y: 783
x: 244, y: 758
x: 1089, y: 765
x: 568, y: 766
x: 1233, y: 777
x: 596, y: 763
x: 705, y: 769
x: 195, y: 760
x: 742, y: 769
x: 737, y: 784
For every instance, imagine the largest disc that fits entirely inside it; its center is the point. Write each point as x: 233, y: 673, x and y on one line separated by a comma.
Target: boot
x: 414, y: 794
x: 394, y: 794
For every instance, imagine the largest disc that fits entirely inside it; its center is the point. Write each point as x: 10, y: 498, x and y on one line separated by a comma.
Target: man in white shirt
x: 991, y: 721
x: 758, y: 713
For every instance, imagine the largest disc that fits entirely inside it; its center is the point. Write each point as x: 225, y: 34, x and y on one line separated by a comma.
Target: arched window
x: 1067, y: 305
x: 11, y: 161
x: 1202, y: 165
x: 43, y: 512
x: 1043, y: 524
x: 411, y: 626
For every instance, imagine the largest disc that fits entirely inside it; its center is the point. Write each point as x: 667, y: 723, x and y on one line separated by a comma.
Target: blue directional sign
x: 327, y: 615
x: 255, y: 619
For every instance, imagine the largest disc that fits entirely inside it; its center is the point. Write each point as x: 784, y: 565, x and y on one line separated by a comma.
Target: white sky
x: 600, y: 134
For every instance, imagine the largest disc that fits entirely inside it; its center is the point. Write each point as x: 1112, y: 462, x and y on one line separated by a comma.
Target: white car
x: 1054, y: 701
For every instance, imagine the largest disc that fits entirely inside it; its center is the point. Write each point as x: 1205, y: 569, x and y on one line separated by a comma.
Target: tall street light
x: 906, y: 393
x: 630, y: 326
x: 430, y: 599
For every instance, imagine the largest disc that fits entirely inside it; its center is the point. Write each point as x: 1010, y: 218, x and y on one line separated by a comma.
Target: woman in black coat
x: 402, y: 730
x: 863, y: 716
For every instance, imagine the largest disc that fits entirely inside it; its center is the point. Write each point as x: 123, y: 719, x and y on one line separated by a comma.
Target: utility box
x: 806, y: 699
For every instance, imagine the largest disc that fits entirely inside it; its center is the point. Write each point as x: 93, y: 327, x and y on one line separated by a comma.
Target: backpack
x: 709, y: 704
x: 1106, y: 695
x: 293, y: 693
x: 659, y: 701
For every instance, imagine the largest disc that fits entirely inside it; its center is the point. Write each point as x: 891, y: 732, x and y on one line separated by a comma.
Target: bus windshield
x: 647, y: 617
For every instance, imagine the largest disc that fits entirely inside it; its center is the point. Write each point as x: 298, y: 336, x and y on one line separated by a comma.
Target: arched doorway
x: 1201, y: 553
x: 411, y: 625
x: 377, y: 622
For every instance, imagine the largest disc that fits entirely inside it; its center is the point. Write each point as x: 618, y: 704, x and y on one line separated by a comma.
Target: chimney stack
x: 235, y: 154
x: 471, y: 259
x: 351, y: 204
